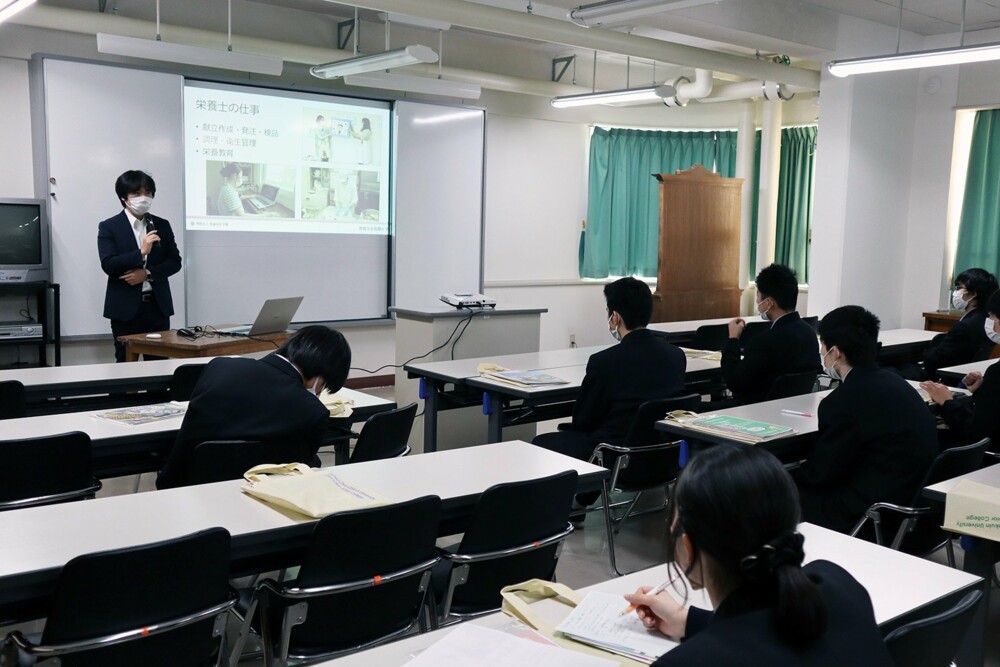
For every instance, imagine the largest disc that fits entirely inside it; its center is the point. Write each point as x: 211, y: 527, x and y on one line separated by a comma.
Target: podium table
x: 206, y: 345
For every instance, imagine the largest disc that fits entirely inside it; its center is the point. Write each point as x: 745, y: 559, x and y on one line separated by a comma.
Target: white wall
x: 15, y: 130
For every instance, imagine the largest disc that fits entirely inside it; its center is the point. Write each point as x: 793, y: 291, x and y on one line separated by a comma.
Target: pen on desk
x: 656, y: 591
x: 797, y: 413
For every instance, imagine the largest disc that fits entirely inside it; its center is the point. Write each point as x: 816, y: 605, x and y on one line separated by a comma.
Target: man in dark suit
x: 139, y: 254
x: 788, y: 346
x: 274, y: 399
x: 876, y: 437
x: 966, y: 341
x: 640, y: 368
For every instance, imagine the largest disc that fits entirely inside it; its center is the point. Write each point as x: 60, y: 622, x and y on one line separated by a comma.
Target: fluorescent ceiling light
x: 10, y: 7
x: 958, y: 55
x: 411, y: 55
x: 415, y: 21
x: 619, y: 11
x: 627, y: 95
x: 152, y: 49
x: 415, y: 84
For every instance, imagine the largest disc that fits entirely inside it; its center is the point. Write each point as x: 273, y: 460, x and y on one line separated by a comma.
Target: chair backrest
x: 105, y: 593
x: 385, y: 435
x: 507, y: 516
x: 956, y: 461
x: 45, y: 470
x: 12, y: 403
x: 221, y: 460
x: 710, y: 337
x: 933, y: 641
x: 360, y: 546
x: 812, y: 321
x: 792, y: 384
x: 183, y: 380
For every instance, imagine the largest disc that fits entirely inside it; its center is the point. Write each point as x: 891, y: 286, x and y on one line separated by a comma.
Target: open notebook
x: 597, y: 621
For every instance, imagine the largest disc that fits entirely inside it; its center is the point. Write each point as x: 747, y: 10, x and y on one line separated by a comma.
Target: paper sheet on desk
x: 337, y: 404
x: 143, y: 414
x: 597, y: 621
x: 471, y: 645
x: 972, y: 508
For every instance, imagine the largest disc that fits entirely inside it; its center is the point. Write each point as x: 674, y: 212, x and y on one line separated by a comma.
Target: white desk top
x: 461, y: 369
x: 988, y: 476
x: 897, y: 583
x: 964, y: 369
x: 121, y: 521
x: 893, y: 337
x: 687, y: 326
x: 96, y: 373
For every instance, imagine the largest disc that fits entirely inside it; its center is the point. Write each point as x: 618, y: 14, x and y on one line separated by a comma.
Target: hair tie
x: 785, y: 549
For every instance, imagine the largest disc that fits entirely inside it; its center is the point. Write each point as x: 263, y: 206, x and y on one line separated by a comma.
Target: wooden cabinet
x: 699, y: 258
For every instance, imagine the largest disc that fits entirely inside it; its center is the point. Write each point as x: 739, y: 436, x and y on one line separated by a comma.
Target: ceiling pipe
x: 532, y: 26
x: 767, y: 90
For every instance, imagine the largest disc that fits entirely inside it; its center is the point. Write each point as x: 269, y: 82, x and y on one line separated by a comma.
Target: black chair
x: 385, y: 435
x: 46, y: 470
x: 918, y: 526
x: 516, y: 534
x: 792, y: 384
x: 933, y: 641
x: 709, y: 337
x: 12, y: 402
x: 157, y: 605
x: 363, y: 581
x: 183, y: 380
x: 222, y: 460
x: 644, y: 461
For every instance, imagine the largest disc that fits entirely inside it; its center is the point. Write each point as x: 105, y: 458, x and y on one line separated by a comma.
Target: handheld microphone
x: 150, y: 227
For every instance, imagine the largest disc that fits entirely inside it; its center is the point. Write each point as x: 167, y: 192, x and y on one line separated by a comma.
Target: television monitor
x: 24, y: 240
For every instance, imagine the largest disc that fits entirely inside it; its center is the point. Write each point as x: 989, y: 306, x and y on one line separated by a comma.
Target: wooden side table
x: 208, y: 345
x: 938, y: 321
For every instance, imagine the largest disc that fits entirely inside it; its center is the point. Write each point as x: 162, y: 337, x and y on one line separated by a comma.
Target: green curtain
x: 979, y: 231
x: 622, y: 236
x: 795, y: 199
x: 754, y: 201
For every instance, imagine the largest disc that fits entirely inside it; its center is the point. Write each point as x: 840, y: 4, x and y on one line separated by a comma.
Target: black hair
x: 133, y: 181
x: 319, y: 351
x: 631, y: 299
x: 779, y: 282
x: 366, y: 124
x: 854, y: 331
x: 993, y: 304
x: 320, y: 117
x: 230, y: 169
x: 738, y: 505
x: 980, y: 282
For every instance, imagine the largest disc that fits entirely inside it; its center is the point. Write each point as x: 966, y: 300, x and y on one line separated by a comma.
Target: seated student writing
x: 788, y: 346
x: 966, y: 341
x: 733, y: 533
x: 876, y: 437
x: 972, y: 418
x: 274, y: 399
x: 642, y: 367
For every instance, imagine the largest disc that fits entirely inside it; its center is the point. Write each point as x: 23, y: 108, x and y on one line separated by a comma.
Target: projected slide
x: 270, y: 161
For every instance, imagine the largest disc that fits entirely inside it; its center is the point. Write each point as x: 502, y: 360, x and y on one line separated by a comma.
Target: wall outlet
x: 572, y: 340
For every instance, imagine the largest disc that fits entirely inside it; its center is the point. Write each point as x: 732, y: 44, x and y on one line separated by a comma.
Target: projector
x: 468, y: 300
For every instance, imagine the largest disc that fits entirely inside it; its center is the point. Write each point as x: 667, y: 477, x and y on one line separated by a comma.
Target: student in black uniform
x: 734, y: 533
x: 972, y: 418
x: 788, y: 346
x: 966, y: 341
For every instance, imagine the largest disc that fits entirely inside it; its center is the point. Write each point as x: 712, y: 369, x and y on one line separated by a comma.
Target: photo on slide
x: 340, y: 194
x: 342, y: 139
x: 237, y: 189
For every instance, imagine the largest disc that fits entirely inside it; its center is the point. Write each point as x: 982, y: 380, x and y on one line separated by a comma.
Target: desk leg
x: 430, y: 415
x: 130, y: 355
x: 980, y: 555
x: 494, y: 429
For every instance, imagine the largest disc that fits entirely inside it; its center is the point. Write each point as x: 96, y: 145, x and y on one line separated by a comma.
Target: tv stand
x: 45, y: 316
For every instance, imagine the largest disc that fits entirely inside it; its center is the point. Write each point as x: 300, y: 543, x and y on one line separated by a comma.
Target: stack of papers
x: 706, y: 355
x: 597, y: 621
x: 524, y: 378
x: 143, y: 414
x: 745, y: 430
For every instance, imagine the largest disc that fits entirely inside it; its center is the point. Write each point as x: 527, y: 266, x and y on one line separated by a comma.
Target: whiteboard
x: 99, y: 122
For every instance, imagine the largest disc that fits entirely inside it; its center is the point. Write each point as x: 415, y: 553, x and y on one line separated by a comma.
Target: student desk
x: 536, y: 403
x: 979, y: 559
x: 954, y: 374
x: 120, y: 449
x: 210, y: 345
x: 902, y: 345
x: 901, y: 587
x: 682, y: 332
x: 42, y: 385
x: 43, y: 539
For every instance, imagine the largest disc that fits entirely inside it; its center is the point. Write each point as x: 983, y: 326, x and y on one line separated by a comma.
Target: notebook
x: 597, y: 621
x: 275, y: 315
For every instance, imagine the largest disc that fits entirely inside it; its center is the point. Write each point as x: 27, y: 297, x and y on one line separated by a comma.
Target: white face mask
x: 832, y: 370
x: 316, y: 389
x: 763, y: 314
x: 139, y: 205
x: 957, y: 302
x: 990, y: 333
x: 614, y: 330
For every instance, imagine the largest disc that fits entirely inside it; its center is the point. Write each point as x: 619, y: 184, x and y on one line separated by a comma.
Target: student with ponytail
x: 733, y: 532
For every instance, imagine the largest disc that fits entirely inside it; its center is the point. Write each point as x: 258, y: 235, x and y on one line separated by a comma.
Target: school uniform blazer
x: 246, y: 399
x: 640, y: 368
x: 875, y: 443
x: 788, y: 346
x: 975, y: 417
x: 119, y: 253
x: 964, y: 343
x: 741, y: 631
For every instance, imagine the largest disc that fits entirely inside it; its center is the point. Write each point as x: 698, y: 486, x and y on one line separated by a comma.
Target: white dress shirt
x: 139, y: 231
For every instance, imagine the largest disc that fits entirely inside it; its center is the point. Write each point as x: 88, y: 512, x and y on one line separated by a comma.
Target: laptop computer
x: 268, y: 195
x: 275, y: 315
